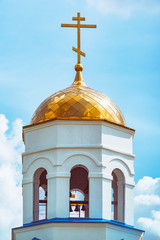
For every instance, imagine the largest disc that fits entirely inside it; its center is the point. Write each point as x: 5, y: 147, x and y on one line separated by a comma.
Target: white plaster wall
x: 99, y: 197
x: 117, y: 139
x: 78, y: 231
x: 41, y: 137
x: 80, y: 134
x: 28, y: 202
x: 70, y: 133
x: 129, y: 204
x: 61, y: 133
x: 57, y: 146
x: 116, y: 232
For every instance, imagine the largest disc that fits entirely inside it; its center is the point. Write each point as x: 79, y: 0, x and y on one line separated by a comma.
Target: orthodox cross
x: 78, y: 26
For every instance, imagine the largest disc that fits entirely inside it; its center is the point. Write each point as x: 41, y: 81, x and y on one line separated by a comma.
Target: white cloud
x: 148, y: 185
x: 147, y: 207
x: 147, y: 200
x: 151, y: 224
x: 11, y: 147
x: 125, y: 8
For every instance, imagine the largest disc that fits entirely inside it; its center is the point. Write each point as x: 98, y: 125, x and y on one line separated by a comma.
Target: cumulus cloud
x: 11, y: 147
x: 125, y: 8
x: 147, y: 207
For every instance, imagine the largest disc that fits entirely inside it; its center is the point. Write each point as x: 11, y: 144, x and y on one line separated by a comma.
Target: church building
x: 78, y: 166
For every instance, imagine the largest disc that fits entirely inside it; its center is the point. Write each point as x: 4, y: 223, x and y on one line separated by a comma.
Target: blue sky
x: 122, y: 61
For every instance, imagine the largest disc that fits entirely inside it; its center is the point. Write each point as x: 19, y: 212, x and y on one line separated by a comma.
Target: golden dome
x: 78, y: 102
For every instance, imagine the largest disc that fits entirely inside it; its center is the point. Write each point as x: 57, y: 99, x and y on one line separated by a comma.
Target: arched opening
x: 40, y: 194
x: 118, y: 198
x: 79, y: 192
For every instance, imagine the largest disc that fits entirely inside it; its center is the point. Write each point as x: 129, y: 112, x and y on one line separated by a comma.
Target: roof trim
x: 79, y: 220
x: 76, y: 119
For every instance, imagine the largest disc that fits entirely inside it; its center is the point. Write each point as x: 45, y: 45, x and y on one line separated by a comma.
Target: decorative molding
x: 121, y: 161
x: 58, y: 175
x: 100, y: 175
x: 33, y: 127
x: 101, y: 147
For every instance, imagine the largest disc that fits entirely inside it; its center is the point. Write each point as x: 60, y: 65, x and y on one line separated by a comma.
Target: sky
x: 122, y: 61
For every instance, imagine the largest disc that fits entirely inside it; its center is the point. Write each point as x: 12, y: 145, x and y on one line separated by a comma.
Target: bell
x: 83, y: 208
x: 77, y: 208
x: 70, y: 209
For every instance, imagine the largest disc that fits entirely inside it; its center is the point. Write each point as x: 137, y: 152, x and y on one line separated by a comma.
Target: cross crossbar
x: 78, y: 26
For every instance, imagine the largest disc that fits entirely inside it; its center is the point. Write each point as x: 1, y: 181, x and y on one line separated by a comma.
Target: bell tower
x: 78, y: 166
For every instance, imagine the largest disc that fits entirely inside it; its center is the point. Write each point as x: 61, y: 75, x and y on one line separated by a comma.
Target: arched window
x: 79, y: 192
x: 118, y: 198
x: 40, y: 195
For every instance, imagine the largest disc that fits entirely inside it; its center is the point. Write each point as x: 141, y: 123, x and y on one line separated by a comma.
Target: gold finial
x: 78, y: 81
x: 78, y: 26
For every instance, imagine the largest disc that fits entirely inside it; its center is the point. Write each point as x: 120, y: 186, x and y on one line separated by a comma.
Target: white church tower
x: 78, y: 167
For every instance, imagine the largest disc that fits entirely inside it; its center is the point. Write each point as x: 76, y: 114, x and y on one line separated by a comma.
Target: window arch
x: 40, y: 194
x: 118, y: 195
x: 79, y: 192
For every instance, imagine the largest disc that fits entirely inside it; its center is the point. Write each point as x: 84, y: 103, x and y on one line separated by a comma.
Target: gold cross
x: 78, y: 26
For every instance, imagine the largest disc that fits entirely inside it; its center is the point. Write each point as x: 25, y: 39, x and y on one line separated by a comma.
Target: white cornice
x: 124, y: 129
x: 101, y: 147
